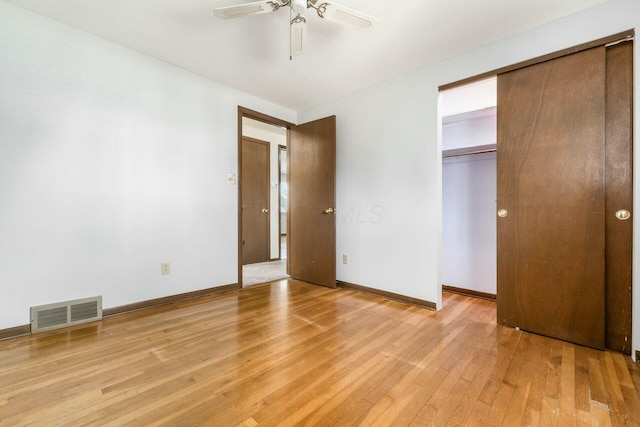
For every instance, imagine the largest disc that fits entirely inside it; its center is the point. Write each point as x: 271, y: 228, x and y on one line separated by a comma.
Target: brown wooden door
x: 312, y: 182
x: 619, y: 196
x: 255, y: 201
x: 551, y: 183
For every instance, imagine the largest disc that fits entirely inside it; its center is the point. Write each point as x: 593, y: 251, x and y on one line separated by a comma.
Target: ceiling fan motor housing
x: 299, y: 6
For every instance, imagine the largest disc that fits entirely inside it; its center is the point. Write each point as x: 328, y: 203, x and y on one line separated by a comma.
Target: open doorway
x: 469, y: 156
x: 263, y: 152
x: 311, y: 198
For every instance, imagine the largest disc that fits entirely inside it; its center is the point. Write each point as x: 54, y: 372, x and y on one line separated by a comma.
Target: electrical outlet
x: 165, y: 268
x: 345, y: 259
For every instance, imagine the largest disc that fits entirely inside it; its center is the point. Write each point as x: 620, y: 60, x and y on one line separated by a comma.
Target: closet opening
x: 469, y: 189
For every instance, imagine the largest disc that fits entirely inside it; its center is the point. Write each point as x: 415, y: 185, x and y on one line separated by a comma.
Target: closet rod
x: 447, y: 156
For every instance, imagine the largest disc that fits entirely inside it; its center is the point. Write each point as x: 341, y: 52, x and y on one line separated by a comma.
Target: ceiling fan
x: 298, y: 23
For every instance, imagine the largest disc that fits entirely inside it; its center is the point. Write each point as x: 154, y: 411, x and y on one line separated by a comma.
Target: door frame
x: 261, y: 117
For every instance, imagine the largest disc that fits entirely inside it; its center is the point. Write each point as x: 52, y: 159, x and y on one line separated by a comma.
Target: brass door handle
x: 502, y: 213
x: 329, y: 211
x: 265, y: 210
x: 623, y: 214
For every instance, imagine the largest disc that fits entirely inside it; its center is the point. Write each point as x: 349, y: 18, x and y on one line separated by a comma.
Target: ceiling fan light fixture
x: 298, y: 23
x: 299, y: 6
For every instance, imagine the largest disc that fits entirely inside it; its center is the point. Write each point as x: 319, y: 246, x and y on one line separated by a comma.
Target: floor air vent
x: 67, y: 313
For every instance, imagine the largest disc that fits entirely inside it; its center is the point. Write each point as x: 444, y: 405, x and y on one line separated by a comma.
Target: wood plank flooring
x: 291, y: 353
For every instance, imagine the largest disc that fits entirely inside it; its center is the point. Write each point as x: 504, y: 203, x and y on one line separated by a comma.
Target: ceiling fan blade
x: 246, y: 9
x: 343, y: 15
x: 298, y: 35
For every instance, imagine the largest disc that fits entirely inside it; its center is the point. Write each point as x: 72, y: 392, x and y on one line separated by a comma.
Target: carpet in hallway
x: 264, y: 272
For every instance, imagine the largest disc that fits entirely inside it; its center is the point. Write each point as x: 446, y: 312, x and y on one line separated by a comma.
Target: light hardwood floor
x: 290, y: 353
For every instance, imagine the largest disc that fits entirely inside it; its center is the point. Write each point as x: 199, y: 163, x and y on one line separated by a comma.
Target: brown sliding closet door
x: 619, y: 196
x: 565, y: 197
x: 551, y: 198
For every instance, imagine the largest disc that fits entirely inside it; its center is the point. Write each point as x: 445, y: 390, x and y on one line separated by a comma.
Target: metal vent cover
x: 66, y: 313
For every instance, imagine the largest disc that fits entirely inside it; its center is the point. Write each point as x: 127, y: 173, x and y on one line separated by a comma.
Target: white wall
x: 469, y: 222
x: 388, y: 192
x: 110, y: 163
x: 275, y: 136
x: 389, y: 156
x: 469, y: 202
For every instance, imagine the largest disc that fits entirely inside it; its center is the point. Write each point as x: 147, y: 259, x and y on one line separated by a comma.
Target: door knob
x: 623, y: 214
x: 265, y: 210
x: 329, y: 211
x: 502, y: 213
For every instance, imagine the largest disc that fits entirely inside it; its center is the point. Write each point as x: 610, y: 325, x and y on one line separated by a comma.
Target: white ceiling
x: 252, y: 54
